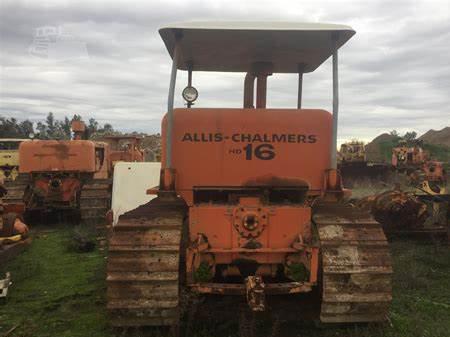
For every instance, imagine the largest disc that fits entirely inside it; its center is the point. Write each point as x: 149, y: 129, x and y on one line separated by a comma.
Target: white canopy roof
x: 235, y: 46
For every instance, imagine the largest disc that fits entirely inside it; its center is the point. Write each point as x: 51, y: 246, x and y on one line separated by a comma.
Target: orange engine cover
x: 53, y: 155
x: 230, y: 229
x: 238, y: 147
x: 64, y: 189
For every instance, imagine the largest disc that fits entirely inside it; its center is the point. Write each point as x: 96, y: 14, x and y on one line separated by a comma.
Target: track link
x: 356, y: 265
x: 143, y: 266
x: 95, y: 200
x: 16, y: 189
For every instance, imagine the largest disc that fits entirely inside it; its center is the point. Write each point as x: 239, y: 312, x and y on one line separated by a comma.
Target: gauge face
x: 190, y: 94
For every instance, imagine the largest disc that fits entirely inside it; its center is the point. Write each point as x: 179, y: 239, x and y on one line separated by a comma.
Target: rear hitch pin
x: 256, y: 297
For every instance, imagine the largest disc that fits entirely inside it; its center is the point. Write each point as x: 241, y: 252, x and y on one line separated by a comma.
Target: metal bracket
x: 256, y: 298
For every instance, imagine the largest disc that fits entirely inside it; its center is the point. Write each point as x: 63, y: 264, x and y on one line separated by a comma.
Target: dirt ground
x: 59, y: 292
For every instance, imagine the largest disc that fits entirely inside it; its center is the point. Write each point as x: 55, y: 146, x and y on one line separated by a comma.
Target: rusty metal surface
x: 255, y: 294
x: 357, y: 267
x: 143, y: 266
x: 95, y: 199
x: 399, y: 210
x: 16, y: 189
x: 239, y: 289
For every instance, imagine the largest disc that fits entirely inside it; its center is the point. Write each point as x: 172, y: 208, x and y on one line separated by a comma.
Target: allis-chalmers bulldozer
x: 354, y: 166
x: 250, y: 200
x: 68, y: 176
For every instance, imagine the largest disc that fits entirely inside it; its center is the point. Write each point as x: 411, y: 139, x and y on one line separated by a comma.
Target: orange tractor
x: 408, y: 158
x: 429, y: 175
x: 72, y: 176
x: 124, y: 148
x: 250, y: 202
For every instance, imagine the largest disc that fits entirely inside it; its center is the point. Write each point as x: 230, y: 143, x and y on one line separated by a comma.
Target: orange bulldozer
x: 71, y: 177
x: 250, y: 204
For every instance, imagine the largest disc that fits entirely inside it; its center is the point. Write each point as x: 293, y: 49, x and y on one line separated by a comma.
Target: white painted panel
x: 131, y: 181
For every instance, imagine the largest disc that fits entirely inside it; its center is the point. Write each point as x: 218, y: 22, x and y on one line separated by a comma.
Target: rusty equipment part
x: 10, y: 239
x: 255, y: 293
x: 4, y: 285
x: 143, y: 265
x: 403, y: 213
x: 13, y: 234
x: 398, y: 210
x: 357, y: 267
x: 433, y: 188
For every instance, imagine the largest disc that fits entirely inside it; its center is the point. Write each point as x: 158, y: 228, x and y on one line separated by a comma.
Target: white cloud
x: 394, y: 72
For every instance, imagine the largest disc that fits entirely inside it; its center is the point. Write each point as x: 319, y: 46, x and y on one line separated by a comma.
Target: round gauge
x: 190, y: 94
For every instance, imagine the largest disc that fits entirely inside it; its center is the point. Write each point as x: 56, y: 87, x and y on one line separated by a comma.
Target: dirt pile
x: 440, y: 137
x: 377, y: 149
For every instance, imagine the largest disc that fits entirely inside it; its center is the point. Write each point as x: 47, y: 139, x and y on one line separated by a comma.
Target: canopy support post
x: 190, y: 67
x: 249, y: 88
x: 335, y: 107
x: 301, y: 69
x: 170, y: 100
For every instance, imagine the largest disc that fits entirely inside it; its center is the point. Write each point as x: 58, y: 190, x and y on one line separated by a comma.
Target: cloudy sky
x: 109, y: 62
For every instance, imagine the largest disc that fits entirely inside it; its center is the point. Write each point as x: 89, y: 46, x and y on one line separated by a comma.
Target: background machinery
x: 14, y: 182
x: 407, y: 158
x: 354, y: 166
x: 71, y: 177
x: 250, y: 202
x: 9, y: 158
x: 124, y: 148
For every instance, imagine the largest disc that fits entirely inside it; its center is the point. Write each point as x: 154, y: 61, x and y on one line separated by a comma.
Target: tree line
x: 50, y: 128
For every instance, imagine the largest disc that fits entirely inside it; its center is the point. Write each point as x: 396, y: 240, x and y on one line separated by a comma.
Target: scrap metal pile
x: 407, y: 212
x: 13, y: 232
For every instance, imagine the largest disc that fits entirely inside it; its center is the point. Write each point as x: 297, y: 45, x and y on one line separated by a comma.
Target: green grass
x: 58, y: 292
x: 55, y: 291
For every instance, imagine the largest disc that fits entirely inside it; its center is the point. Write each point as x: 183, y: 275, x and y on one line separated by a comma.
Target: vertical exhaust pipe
x: 261, y: 91
x: 249, y: 88
x: 335, y: 107
x: 301, y: 69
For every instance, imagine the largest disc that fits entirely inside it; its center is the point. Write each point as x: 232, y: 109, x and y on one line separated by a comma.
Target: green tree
x: 52, y: 125
x: 410, y: 136
x: 65, y: 127
x: 394, y: 133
